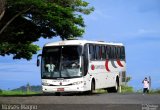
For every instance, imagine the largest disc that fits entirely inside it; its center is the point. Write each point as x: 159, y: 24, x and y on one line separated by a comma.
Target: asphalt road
x: 85, y: 102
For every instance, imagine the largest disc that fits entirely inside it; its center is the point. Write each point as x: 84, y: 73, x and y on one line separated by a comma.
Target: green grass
x: 127, y: 89
x: 12, y: 93
x: 152, y: 91
x: 124, y: 89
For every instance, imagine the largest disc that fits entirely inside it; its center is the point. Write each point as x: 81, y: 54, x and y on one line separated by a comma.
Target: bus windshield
x: 61, y: 62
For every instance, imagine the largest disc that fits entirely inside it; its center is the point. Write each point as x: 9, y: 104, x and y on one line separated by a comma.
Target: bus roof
x: 80, y: 42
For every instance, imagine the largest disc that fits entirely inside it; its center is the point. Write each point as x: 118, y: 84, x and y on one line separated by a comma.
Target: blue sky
x: 135, y: 23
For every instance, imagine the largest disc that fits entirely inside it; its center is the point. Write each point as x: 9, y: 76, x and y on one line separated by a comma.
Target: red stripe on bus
x: 106, y: 64
x: 119, y: 63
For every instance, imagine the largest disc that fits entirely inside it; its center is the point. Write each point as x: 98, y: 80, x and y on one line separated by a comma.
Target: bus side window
x: 118, y: 52
x: 115, y: 52
x: 107, y: 52
x: 122, y: 56
x: 91, y: 52
x: 98, y: 52
x: 103, y: 53
x: 112, y: 52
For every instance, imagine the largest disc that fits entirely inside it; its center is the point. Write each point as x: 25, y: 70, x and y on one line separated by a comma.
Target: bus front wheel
x: 92, y: 89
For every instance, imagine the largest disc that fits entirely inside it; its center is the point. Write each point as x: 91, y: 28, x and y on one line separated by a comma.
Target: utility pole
x: 150, y: 82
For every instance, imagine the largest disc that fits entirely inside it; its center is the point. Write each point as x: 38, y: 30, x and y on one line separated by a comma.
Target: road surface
x: 85, y: 102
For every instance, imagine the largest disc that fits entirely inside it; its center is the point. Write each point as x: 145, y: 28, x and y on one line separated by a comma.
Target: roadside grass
x: 127, y: 89
x: 124, y: 89
x: 15, y: 93
x: 152, y: 91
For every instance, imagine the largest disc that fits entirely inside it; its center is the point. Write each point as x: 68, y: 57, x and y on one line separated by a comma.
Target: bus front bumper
x: 72, y: 88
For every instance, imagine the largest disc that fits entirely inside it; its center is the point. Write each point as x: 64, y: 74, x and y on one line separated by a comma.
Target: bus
x: 82, y: 66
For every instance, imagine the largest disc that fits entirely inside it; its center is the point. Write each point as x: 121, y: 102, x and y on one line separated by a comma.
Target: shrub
x: 1, y: 91
x: 152, y: 91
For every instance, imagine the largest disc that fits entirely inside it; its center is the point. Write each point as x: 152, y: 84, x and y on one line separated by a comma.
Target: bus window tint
x: 112, y: 52
x: 108, y: 52
x: 122, y: 56
x: 118, y: 52
x: 91, y: 52
x: 103, y: 53
x: 98, y: 57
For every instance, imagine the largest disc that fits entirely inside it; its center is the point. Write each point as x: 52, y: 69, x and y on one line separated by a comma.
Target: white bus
x: 82, y: 66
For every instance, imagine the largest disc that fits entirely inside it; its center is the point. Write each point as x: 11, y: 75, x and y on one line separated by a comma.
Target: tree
x: 28, y: 87
x: 2, y: 8
x: 1, y: 91
x: 25, y: 21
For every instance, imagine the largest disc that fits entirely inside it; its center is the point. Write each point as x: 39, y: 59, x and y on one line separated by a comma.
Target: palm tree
x: 2, y: 8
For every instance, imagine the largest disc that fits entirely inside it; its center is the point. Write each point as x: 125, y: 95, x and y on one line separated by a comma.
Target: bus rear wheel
x: 113, y: 89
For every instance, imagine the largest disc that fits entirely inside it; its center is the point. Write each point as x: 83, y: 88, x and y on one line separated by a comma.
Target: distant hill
x: 33, y: 88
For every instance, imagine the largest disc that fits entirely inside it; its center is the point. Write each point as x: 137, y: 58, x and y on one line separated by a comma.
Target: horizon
x: 134, y: 23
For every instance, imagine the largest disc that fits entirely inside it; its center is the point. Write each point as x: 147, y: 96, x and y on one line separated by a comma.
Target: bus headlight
x: 77, y: 83
x: 45, y: 84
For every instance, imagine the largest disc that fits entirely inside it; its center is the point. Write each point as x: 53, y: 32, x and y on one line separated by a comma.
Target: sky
x: 135, y: 23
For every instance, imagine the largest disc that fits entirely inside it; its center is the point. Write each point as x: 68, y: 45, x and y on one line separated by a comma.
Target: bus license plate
x: 60, y: 89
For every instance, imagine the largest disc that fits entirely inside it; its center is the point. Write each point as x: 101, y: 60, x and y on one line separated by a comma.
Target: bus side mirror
x: 38, y: 61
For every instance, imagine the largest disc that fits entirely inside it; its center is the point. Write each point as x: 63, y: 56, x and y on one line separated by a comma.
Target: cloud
x: 146, y: 31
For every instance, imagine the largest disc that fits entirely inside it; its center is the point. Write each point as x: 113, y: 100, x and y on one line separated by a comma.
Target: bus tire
x: 92, y: 87
x: 115, y: 88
